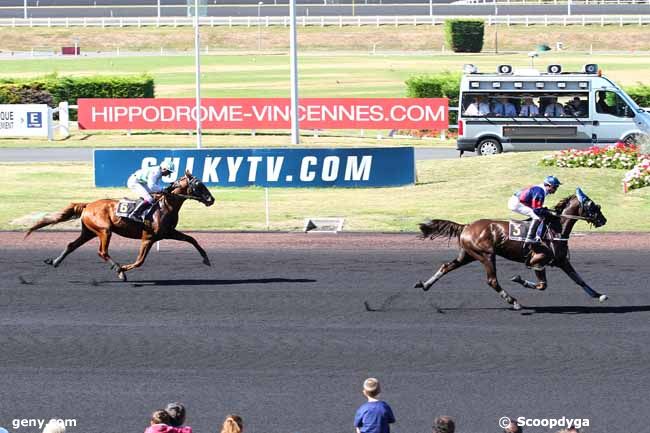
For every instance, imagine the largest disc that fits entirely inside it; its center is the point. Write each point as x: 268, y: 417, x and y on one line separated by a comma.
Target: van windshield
x: 538, y: 104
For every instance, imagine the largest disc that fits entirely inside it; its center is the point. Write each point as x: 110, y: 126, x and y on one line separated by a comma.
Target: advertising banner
x: 354, y: 167
x: 264, y: 113
x: 23, y: 120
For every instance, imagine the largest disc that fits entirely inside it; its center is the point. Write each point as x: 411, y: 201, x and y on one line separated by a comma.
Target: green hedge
x: 71, y: 88
x: 465, y: 36
x: 640, y: 94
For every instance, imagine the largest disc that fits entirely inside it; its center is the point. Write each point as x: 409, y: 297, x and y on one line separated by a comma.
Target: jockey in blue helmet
x: 146, y: 181
x: 529, y: 201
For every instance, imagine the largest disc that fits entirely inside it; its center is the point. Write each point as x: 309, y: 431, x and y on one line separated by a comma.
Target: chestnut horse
x: 484, y: 239
x: 98, y: 219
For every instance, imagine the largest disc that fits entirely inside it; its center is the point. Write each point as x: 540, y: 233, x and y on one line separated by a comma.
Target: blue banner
x: 286, y: 168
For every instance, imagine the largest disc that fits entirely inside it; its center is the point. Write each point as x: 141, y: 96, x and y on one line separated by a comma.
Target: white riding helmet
x: 168, y: 164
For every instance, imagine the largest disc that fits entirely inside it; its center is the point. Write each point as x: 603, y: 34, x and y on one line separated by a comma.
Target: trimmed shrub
x: 640, y: 94
x: 465, y: 36
x: 72, y: 88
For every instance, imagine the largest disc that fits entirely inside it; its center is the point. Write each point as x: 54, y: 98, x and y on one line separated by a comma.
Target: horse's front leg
x: 541, y: 283
x: 145, y: 247
x: 571, y: 272
x: 180, y: 236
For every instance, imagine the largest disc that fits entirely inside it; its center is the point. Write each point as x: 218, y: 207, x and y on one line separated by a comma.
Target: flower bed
x: 618, y: 156
x: 639, y: 176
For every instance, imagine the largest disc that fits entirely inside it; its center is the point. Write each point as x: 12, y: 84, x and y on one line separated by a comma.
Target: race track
x: 276, y: 330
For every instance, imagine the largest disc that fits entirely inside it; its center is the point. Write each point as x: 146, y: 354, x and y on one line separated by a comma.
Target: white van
x: 530, y: 110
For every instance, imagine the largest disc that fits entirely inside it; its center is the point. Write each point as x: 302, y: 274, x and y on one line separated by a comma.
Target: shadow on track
x: 588, y: 310
x: 203, y: 282
x: 527, y: 311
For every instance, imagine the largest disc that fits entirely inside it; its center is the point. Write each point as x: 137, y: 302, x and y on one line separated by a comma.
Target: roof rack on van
x: 554, y: 69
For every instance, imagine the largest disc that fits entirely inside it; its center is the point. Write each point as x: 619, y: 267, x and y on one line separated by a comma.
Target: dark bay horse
x: 98, y: 219
x: 484, y: 239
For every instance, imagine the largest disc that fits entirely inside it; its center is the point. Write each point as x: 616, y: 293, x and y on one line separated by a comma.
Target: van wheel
x: 489, y: 146
x: 634, y: 139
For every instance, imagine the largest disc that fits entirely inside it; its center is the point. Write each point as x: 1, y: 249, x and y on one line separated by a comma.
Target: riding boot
x: 149, y: 213
x: 531, y: 236
x: 137, y: 212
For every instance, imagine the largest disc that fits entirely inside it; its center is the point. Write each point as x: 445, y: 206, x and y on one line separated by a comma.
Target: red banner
x: 264, y: 113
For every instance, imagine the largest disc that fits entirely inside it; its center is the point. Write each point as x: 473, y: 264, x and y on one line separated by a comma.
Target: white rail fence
x: 339, y: 21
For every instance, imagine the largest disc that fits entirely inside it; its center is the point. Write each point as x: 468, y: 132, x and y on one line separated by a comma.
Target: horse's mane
x: 559, y: 207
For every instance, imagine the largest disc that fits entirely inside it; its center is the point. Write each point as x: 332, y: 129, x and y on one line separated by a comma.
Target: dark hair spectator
x: 161, y: 423
x: 444, y: 424
x: 232, y: 424
x: 176, y: 412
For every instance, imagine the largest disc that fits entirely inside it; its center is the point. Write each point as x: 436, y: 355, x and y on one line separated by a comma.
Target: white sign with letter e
x: 24, y: 120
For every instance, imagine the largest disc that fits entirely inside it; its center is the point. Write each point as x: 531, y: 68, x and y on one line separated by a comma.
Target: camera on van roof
x: 504, y: 69
x: 470, y: 69
x: 590, y: 68
x: 554, y: 69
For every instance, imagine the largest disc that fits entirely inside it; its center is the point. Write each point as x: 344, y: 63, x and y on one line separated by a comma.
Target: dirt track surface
x: 276, y: 330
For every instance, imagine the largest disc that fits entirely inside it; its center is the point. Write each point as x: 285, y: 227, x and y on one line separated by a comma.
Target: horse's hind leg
x: 104, y: 241
x: 541, y: 280
x: 84, y: 237
x: 489, y: 262
x: 462, y: 259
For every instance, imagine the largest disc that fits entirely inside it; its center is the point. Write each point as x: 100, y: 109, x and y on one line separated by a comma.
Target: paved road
x: 329, y: 10
x: 86, y: 155
x: 281, y: 336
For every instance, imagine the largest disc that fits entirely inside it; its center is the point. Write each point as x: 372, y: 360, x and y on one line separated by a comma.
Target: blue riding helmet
x: 552, y: 181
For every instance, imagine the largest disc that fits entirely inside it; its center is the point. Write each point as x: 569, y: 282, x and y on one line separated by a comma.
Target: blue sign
x: 286, y: 168
x: 34, y: 119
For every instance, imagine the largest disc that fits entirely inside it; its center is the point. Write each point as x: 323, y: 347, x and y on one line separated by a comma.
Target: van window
x: 608, y: 102
x: 515, y: 105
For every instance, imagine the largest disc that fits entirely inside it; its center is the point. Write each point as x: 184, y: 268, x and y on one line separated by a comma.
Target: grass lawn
x: 462, y: 190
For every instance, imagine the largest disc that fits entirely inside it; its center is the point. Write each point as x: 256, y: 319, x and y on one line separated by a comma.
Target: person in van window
x: 601, y: 104
x: 576, y: 107
x: 503, y: 107
x: 528, y: 108
x: 478, y: 108
x: 554, y: 108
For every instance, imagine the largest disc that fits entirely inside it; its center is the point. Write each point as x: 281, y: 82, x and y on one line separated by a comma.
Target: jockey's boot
x: 531, y: 236
x: 138, y: 211
x: 149, y: 213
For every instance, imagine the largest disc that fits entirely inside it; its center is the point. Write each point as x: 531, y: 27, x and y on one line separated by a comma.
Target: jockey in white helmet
x: 146, y: 181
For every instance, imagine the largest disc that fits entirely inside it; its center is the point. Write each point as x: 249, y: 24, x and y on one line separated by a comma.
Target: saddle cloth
x: 517, y: 229
x: 125, y: 207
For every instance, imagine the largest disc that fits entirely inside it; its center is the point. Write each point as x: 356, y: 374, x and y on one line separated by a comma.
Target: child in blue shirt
x: 375, y: 415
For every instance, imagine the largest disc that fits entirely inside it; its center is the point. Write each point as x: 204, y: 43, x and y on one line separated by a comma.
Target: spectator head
x: 176, y: 412
x: 160, y: 417
x: 504, y: 100
x: 444, y: 424
x: 54, y: 426
x: 528, y: 100
x: 513, y: 427
x: 233, y: 424
x: 371, y: 387
x: 569, y: 430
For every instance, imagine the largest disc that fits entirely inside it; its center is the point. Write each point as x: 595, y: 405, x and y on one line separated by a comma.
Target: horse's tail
x: 72, y: 211
x: 439, y: 228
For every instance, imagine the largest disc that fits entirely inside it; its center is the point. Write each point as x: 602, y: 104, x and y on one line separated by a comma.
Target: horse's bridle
x: 191, y: 183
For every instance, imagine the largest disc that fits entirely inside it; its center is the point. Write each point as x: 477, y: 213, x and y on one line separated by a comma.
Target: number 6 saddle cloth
x: 126, y: 206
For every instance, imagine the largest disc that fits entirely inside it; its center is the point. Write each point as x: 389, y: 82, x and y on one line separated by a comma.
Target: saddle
x: 126, y: 206
x: 517, y: 229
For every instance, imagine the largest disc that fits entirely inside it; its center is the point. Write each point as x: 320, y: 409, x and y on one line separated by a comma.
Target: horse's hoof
x: 48, y: 261
x: 516, y: 306
x: 602, y: 298
x: 121, y: 275
x: 420, y: 285
x: 517, y: 279
x: 206, y: 261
